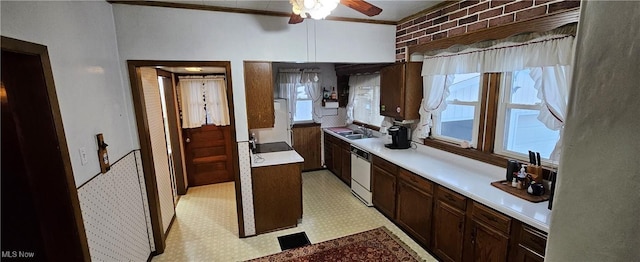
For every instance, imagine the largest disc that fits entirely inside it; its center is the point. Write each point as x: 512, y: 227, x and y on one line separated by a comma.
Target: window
x: 459, y: 119
x: 304, y: 105
x: 518, y: 129
x: 366, y: 105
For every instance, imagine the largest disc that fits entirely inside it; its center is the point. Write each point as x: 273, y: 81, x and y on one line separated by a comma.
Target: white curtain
x: 287, y: 82
x: 552, y: 84
x: 192, y: 103
x: 436, y: 91
x: 549, y: 57
x: 358, y: 82
x: 203, y: 100
x: 216, y: 101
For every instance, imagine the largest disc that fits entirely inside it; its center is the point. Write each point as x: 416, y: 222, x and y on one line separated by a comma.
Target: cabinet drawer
x: 452, y: 198
x: 533, y: 239
x: 492, y: 218
x: 417, y: 181
x: 385, y: 165
x: 343, y: 145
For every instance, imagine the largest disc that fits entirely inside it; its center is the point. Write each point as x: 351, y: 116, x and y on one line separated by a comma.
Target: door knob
x: 188, y: 140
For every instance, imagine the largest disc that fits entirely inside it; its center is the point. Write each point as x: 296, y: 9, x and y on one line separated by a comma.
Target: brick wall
x: 468, y: 16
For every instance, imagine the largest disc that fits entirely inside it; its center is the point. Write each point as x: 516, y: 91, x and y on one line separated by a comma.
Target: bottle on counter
x: 514, y: 182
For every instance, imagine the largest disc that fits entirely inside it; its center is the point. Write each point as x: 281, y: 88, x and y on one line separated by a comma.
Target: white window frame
x: 375, y: 104
x: 503, y: 106
x: 309, y: 98
x: 435, y: 133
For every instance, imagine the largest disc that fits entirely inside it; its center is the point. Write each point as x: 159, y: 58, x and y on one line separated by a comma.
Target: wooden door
x: 448, y: 232
x: 208, y: 154
x: 392, y: 91
x: 336, y: 153
x: 258, y: 86
x: 40, y: 208
x: 414, y: 211
x: 345, y: 168
x: 328, y: 152
x: 383, y: 189
x: 486, y: 244
x: 524, y: 254
x: 277, y: 196
x: 306, y: 141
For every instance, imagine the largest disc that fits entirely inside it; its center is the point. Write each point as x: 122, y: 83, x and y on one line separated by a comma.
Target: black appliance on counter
x: 399, y: 138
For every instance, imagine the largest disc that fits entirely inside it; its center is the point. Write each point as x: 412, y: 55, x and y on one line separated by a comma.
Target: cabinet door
x: 414, y: 211
x: 449, y: 232
x: 486, y: 244
x: 383, y: 189
x: 392, y: 91
x: 328, y: 152
x: 346, y: 166
x: 277, y: 196
x: 306, y: 141
x: 258, y: 86
x: 336, y: 153
x: 524, y: 254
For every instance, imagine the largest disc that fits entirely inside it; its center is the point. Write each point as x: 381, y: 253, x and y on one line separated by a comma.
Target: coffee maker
x: 399, y: 137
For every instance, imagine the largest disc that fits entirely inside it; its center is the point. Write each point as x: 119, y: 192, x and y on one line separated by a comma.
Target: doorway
x: 40, y: 203
x: 176, y: 139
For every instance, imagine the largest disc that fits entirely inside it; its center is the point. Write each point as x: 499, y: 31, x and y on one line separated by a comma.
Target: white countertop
x: 275, y: 158
x: 463, y: 175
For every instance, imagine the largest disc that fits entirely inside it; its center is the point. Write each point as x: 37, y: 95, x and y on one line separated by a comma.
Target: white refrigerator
x: 281, y: 131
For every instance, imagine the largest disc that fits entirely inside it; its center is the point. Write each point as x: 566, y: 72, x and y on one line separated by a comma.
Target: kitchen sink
x: 355, y: 136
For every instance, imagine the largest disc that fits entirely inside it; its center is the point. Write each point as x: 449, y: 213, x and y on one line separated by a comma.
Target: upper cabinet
x: 258, y: 84
x: 401, y: 90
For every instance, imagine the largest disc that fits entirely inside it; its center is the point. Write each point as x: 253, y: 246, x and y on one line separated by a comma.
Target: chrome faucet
x: 366, y: 131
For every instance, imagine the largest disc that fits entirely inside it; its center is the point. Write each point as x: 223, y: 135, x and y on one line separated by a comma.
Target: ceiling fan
x: 319, y: 9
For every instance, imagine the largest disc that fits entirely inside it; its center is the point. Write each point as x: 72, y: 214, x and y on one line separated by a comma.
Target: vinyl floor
x: 206, y: 227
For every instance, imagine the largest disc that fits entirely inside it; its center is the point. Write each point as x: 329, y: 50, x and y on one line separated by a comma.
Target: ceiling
x: 393, y: 10
x: 203, y: 70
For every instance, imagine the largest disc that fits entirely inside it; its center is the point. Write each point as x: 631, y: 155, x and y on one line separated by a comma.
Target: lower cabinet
x: 337, y: 157
x: 452, y: 226
x: 277, y: 196
x: 383, y: 187
x: 414, y: 208
x: 487, y: 235
x: 449, y: 224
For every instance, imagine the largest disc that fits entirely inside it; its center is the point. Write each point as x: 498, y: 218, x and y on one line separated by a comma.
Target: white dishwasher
x: 361, y: 175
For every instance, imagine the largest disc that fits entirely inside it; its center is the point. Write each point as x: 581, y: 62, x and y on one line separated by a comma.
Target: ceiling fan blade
x: 295, y: 19
x: 362, y: 7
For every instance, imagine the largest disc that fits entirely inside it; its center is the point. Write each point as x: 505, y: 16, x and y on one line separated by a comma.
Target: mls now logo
x: 14, y: 254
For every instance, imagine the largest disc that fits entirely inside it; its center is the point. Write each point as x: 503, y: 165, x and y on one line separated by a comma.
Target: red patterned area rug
x: 374, y: 245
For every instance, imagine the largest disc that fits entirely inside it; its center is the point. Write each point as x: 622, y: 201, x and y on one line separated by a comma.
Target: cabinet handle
x: 474, y: 233
x: 447, y: 196
x: 490, y: 218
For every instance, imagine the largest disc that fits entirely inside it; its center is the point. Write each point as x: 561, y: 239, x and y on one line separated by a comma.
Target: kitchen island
x: 277, y: 190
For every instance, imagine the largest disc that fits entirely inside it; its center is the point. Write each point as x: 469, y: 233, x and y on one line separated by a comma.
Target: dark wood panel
x: 485, y: 243
x: 384, y: 164
x: 391, y: 91
x: 306, y: 141
x: 452, y: 198
x: 491, y: 218
x: 539, y: 24
x: 346, y: 166
x: 413, y: 90
x: 414, y: 211
x: 277, y: 196
x: 258, y: 84
x: 448, y: 225
x: 383, y: 189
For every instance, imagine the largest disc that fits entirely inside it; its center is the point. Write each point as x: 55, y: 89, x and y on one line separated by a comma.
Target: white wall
x: 81, y: 40
x: 156, y: 33
x: 596, y: 213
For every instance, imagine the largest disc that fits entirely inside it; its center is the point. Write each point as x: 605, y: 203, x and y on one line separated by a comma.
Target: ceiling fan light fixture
x: 316, y: 9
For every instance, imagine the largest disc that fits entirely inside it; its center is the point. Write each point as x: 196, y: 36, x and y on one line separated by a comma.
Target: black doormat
x: 293, y: 241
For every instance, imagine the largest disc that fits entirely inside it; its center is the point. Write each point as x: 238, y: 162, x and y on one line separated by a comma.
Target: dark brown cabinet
x: 277, y: 196
x: 449, y: 224
x: 528, y: 244
x: 383, y: 186
x: 306, y: 141
x: 258, y: 85
x: 415, y: 206
x: 487, y: 237
x: 337, y: 157
x: 401, y: 90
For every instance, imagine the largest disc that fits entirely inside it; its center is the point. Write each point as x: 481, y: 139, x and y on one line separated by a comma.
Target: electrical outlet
x: 83, y: 156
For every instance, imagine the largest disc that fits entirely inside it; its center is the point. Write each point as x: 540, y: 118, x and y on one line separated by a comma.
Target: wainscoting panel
x: 145, y: 201
x: 247, y: 189
x: 114, y: 214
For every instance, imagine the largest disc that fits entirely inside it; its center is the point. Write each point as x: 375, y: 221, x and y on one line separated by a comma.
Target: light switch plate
x: 83, y: 155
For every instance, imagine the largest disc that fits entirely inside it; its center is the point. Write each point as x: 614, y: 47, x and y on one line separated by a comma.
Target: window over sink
x: 364, y: 100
